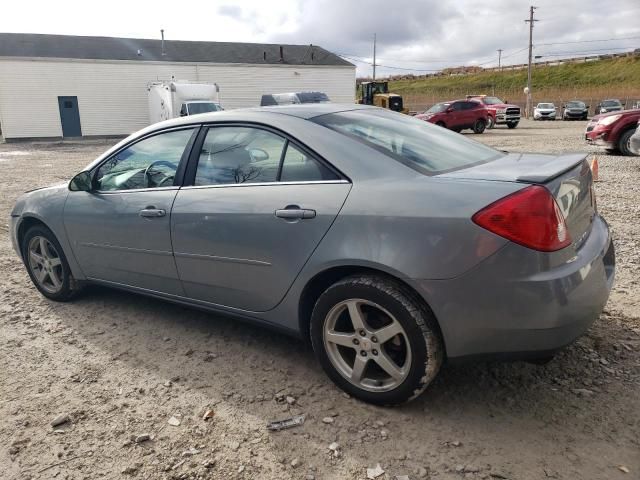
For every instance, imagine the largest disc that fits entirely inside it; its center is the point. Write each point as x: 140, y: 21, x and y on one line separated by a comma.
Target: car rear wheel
x: 375, y: 340
x: 479, y: 126
x: 624, y: 143
x: 46, y: 264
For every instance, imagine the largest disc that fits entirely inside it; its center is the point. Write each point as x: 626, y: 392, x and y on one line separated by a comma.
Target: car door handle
x: 290, y: 213
x: 152, y: 212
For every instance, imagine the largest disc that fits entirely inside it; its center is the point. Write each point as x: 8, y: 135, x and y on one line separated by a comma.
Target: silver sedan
x: 389, y: 243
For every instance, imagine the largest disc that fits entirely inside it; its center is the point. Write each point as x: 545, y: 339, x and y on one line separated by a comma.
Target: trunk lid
x: 568, y: 177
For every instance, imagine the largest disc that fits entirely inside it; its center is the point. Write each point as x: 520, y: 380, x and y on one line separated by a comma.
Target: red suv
x: 458, y: 115
x: 613, y: 130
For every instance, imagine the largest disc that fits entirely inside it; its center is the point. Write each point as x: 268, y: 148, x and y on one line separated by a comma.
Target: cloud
x: 430, y: 34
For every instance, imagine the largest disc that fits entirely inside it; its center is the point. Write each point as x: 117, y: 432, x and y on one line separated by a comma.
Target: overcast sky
x: 416, y: 35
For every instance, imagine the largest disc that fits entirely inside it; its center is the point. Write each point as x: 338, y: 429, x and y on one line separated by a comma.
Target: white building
x: 103, y: 80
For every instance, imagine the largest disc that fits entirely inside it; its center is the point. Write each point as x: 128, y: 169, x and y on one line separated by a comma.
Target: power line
x: 588, y: 41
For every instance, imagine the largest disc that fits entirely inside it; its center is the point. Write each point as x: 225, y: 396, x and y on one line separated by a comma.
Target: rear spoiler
x: 553, y: 168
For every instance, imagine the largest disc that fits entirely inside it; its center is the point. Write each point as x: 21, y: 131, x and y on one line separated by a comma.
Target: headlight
x: 501, y: 110
x: 609, y: 120
x: 603, y: 110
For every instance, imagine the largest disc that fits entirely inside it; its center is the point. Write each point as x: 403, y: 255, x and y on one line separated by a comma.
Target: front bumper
x: 513, y: 305
x: 575, y: 114
x: 13, y: 233
x: 505, y: 118
x: 598, y: 135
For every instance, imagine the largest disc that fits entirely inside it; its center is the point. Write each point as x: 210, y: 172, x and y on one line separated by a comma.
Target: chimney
x: 162, y: 35
x: 281, y: 54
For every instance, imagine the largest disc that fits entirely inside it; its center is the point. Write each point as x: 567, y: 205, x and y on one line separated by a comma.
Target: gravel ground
x: 122, y: 366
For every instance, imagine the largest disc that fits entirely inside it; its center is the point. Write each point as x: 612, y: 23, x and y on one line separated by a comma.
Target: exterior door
x: 257, y: 210
x: 120, y: 231
x: 69, y: 116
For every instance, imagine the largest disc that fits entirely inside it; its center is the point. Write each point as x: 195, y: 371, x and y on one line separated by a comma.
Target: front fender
x: 44, y: 206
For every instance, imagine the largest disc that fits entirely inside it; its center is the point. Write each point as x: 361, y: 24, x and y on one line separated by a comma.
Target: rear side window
x: 418, y: 144
x: 299, y: 167
x: 239, y: 155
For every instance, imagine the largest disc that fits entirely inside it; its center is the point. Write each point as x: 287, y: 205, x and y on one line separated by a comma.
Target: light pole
x: 530, y: 21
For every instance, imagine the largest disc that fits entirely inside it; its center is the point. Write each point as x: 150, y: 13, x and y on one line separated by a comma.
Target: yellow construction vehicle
x: 377, y: 93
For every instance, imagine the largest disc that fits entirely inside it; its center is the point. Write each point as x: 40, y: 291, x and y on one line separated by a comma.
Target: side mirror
x: 81, y: 182
x: 449, y: 110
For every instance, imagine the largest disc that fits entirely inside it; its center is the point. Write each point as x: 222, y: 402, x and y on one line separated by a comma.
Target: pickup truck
x: 500, y: 113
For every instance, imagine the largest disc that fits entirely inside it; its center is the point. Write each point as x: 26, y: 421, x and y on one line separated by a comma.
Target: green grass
x: 621, y: 73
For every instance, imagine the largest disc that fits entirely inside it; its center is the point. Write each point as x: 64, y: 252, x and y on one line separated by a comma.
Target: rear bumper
x: 511, y: 306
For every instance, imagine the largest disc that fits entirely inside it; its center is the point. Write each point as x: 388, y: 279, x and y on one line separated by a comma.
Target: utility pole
x: 374, y: 57
x: 499, y: 59
x: 531, y: 22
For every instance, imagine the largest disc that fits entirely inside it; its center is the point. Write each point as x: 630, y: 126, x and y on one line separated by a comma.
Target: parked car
x: 613, y: 131
x: 613, y: 105
x: 388, y: 242
x: 293, y: 98
x: 575, y: 110
x: 544, y: 111
x: 500, y: 112
x: 458, y: 115
x: 634, y: 142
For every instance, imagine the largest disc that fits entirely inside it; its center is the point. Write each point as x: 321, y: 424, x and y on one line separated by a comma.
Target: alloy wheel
x: 45, y: 264
x: 367, y: 345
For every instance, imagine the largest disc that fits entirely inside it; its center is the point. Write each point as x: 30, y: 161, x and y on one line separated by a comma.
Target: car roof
x: 304, y: 111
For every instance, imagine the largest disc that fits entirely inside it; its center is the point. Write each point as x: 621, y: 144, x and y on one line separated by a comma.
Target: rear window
x: 420, y: 145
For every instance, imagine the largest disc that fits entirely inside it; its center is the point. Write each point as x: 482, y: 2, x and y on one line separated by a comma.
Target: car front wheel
x: 46, y: 264
x: 624, y: 143
x: 376, y: 340
x: 513, y: 124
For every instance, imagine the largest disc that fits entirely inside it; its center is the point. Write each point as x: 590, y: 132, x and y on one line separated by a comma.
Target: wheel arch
x: 25, y: 224
x: 325, y: 278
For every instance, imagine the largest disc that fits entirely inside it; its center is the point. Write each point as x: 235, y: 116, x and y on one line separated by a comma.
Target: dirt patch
x: 123, y: 367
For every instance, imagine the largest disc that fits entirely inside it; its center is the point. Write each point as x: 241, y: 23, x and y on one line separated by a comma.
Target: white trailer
x: 179, y: 99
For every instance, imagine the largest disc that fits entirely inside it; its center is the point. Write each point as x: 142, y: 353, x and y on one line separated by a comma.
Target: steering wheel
x: 147, y: 173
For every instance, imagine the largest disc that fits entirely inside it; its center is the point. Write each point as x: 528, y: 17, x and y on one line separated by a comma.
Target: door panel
x: 112, y: 241
x: 69, y: 116
x: 230, y: 247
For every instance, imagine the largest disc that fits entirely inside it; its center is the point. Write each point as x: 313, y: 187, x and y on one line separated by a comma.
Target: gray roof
x: 111, y: 48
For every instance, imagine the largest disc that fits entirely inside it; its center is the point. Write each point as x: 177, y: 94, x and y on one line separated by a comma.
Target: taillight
x: 530, y: 217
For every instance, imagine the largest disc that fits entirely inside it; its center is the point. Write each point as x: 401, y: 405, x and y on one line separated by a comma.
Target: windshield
x: 491, y: 100
x: 576, y: 104
x: 419, y: 145
x: 611, y: 103
x: 438, y: 107
x: 546, y: 105
x: 202, y: 107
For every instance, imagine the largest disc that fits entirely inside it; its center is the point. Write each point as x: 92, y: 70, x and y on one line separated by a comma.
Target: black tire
x: 624, y: 143
x: 441, y: 124
x: 457, y: 130
x: 416, y: 320
x: 512, y: 124
x: 69, y: 287
x: 479, y: 126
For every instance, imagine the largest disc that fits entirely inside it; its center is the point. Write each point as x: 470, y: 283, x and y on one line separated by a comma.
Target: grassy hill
x: 591, y: 81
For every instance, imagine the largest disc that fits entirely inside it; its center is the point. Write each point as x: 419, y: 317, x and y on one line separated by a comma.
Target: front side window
x: 149, y: 163
x: 239, y: 155
x: 415, y: 143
